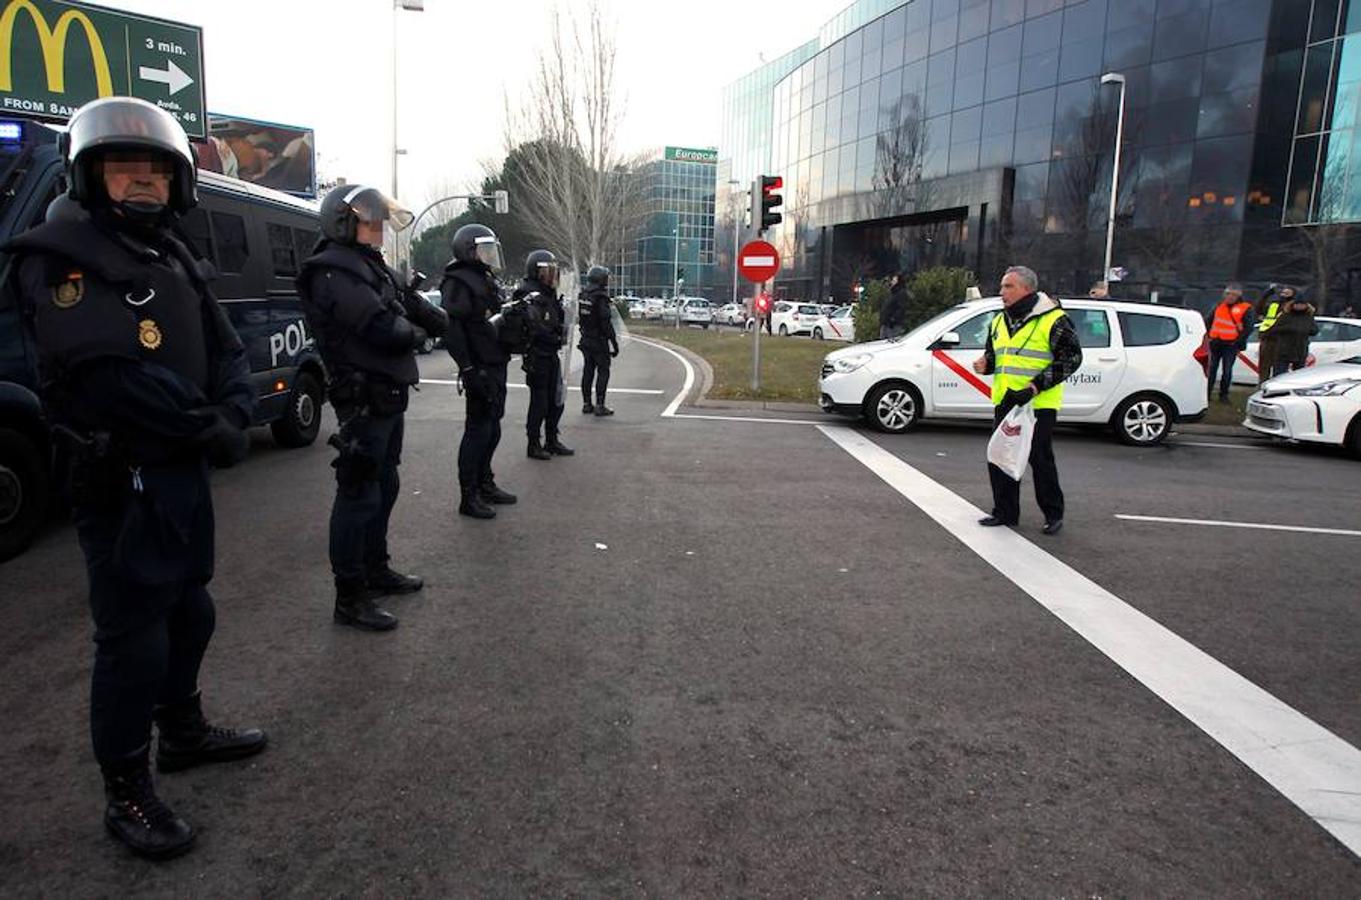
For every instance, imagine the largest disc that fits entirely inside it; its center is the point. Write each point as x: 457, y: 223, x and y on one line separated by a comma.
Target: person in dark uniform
x: 471, y: 297
x: 367, y: 325
x: 598, y: 342
x: 543, y: 369
x: 147, y: 385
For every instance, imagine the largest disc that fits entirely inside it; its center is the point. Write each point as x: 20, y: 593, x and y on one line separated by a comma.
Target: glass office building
x: 676, y: 241
x: 980, y: 133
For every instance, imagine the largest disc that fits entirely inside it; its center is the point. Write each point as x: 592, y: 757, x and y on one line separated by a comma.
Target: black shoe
x: 490, y: 493
x: 603, y: 410
x: 993, y: 522
x: 137, y: 817
x: 386, y: 582
x: 557, y: 448
x: 537, y: 451
x: 1052, y: 528
x: 473, y: 506
x: 187, y: 740
x: 355, y: 607
x: 587, y: 408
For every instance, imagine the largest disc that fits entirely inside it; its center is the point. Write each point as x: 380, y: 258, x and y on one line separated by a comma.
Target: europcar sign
x: 56, y: 56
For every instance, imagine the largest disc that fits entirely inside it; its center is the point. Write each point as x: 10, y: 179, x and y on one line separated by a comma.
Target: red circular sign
x: 758, y: 261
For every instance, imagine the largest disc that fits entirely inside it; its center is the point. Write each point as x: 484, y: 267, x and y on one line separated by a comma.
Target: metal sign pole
x: 756, y: 342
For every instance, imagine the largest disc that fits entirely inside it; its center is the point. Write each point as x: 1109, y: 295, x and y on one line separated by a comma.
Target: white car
x: 1337, y: 339
x: 696, y: 311
x: 835, y: 326
x: 731, y: 314
x: 1139, y: 374
x: 791, y: 317
x: 1319, y: 405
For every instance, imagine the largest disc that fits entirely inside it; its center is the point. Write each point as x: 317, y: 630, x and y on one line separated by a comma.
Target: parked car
x: 670, y: 309
x: 1139, y: 375
x: 431, y: 342
x: 790, y: 317
x: 696, y: 311
x: 732, y: 314
x: 652, y: 308
x: 835, y: 326
x: 1337, y: 339
x: 1318, y: 405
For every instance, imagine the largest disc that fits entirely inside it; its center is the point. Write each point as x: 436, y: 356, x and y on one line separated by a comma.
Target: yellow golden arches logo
x: 53, y: 41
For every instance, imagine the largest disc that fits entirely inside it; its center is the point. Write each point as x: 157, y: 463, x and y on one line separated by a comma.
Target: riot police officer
x: 543, y: 369
x: 147, y: 385
x: 598, y: 343
x: 367, y: 325
x: 472, y: 297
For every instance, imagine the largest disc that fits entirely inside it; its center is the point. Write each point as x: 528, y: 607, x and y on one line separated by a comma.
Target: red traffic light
x: 771, y: 183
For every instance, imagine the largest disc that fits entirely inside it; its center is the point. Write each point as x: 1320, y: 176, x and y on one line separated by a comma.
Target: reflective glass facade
x: 978, y: 133
x: 678, y: 231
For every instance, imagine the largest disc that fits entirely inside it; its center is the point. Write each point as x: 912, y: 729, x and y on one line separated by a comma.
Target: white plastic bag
x: 1009, y: 448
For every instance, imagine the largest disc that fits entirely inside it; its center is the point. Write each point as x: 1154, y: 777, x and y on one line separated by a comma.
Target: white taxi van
x: 1139, y: 374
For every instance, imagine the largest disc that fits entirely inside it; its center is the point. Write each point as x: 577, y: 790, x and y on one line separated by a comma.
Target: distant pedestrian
x: 893, y: 315
x: 1268, y: 311
x: 1348, y: 312
x: 1230, y: 324
x: 1293, y: 330
x: 1100, y: 291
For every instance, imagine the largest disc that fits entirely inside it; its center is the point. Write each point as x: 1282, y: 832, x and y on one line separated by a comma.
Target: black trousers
x: 595, y: 369
x: 1222, y: 354
x: 482, y: 431
x: 544, y: 377
x: 364, y: 499
x: 149, y: 637
x: 1006, y: 493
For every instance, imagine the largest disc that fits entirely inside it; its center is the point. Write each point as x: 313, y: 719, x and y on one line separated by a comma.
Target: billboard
x: 282, y: 157
x: 691, y: 154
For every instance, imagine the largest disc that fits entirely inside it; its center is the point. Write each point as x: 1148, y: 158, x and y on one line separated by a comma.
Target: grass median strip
x: 789, y: 365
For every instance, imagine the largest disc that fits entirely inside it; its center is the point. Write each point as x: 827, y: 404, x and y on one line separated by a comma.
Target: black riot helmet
x: 344, y: 207
x: 477, y: 244
x: 598, y: 277
x: 542, y: 266
x: 114, y: 125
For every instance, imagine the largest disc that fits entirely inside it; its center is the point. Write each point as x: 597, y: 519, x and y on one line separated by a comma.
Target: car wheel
x: 784, y: 331
x: 893, y: 408
x: 817, y: 334
x: 23, y: 492
x: 1354, y: 437
x: 302, y: 420
x: 1143, y: 421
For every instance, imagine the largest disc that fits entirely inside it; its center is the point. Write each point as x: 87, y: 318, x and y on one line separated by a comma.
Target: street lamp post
x: 397, y: 6
x: 675, y: 271
x: 732, y: 194
x: 1114, y: 78
x: 500, y: 205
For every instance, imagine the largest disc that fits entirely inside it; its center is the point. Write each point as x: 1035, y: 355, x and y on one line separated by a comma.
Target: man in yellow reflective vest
x: 1229, y: 326
x: 1032, y: 349
x: 1276, y: 298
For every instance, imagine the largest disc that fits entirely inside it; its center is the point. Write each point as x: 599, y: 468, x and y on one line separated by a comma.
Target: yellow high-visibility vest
x: 1273, y: 312
x: 1019, y: 357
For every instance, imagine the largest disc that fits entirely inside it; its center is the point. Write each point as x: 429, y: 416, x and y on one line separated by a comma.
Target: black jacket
x: 594, y: 320
x: 547, y: 330
x: 1292, y: 332
x: 471, y: 296
x: 894, y: 312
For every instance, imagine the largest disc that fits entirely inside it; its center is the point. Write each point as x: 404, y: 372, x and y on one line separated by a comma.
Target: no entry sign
x: 758, y: 261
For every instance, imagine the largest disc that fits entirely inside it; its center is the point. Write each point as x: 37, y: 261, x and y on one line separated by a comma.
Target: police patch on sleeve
x: 149, y: 334
x: 69, y: 292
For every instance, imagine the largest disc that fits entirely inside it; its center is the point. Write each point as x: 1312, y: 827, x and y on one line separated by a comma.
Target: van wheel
x: 1143, y: 421
x: 817, y: 334
x: 784, y: 332
x: 24, y: 489
x: 893, y: 408
x: 300, y: 423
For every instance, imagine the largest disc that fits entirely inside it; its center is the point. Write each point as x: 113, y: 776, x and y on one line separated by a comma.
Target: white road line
x: 746, y: 419
x: 570, y: 387
x: 1180, y: 443
x: 676, y: 401
x: 1312, y: 767
x: 1263, y: 526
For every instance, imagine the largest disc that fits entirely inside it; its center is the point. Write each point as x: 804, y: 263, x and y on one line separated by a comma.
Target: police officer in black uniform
x: 147, y: 385
x: 472, y: 297
x: 543, y: 368
x: 367, y: 325
x: 598, y: 343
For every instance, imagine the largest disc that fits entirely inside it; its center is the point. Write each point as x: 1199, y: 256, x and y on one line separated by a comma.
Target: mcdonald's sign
x: 55, y: 56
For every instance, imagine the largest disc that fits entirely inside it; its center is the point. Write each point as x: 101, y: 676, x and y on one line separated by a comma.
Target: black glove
x: 1019, y: 397
x: 614, y: 349
x: 221, y: 441
x: 477, y: 381
x: 418, y: 336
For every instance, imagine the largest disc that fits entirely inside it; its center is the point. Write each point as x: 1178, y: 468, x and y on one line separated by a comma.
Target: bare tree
x: 899, y: 154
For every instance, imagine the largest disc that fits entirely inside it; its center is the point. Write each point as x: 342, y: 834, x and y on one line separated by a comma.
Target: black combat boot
x: 587, y: 408
x: 490, y: 493
x: 602, y: 410
x: 472, y: 504
x: 558, y: 448
x: 385, y: 581
x: 137, y: 817
x: 187, y: 740
x: 355, y: 607
x: 537, y: 451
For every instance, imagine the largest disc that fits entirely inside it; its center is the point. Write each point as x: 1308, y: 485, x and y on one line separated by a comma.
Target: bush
x: 865, y: 313
x: 935, y: 290
x: 623, y: 306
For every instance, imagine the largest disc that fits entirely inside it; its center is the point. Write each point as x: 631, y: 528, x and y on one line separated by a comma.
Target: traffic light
x: 765, y: 202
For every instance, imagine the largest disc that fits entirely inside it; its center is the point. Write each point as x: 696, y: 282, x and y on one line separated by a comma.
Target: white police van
x: 1139, y: 374
x: 255, y: 237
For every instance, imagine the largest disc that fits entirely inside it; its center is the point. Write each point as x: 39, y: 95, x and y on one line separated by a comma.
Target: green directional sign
x: 691, y: 154
x: 55, y: 56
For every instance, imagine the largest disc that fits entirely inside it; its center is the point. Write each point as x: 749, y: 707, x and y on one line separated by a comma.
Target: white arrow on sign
x: 173, y: 77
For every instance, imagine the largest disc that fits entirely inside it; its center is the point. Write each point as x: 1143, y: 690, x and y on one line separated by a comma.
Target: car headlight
x: 850, y: 363
x: 1329, y: 389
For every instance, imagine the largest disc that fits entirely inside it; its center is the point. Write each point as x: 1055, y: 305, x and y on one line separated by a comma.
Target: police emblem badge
x: 69, y: 292
x: 149, y: 333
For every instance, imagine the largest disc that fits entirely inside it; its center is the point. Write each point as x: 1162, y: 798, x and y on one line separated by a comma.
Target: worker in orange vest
x: 1230, y: 324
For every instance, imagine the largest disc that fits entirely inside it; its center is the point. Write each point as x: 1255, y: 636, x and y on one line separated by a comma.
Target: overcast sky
x: 327, y: 64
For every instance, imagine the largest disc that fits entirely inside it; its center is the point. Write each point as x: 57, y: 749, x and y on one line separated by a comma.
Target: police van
x: 256, y: 239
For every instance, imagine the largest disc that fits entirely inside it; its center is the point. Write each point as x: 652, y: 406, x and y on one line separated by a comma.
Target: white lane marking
x: 1263, y: 526
x: 671, y: 408
x: 746, y: 419
x: 1312, y: 767
x: 1180, y: 443
x: 570, y: 387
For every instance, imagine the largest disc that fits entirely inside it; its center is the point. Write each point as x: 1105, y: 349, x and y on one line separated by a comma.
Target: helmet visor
x: 371, y: 205
x: 488, y: 252
x: 547, y: 273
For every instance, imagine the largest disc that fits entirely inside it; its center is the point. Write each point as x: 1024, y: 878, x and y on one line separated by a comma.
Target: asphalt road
x: 711, y: 657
